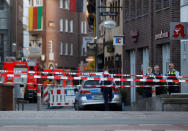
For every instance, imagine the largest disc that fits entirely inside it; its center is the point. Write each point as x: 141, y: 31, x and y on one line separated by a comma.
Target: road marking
x: 175, y: 130
x: 155, y: 124
x: 18, y: 126
x: 133, y: 130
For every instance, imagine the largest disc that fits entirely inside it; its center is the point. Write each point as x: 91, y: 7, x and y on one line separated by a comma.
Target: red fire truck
x: 29, y: 82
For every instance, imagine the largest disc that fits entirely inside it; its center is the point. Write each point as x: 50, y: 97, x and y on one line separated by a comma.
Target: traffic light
x: 91, y: 13
x: 91, y: 6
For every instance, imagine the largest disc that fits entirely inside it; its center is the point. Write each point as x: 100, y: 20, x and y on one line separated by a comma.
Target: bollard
x: 38, y: 98
x: 154, y: 108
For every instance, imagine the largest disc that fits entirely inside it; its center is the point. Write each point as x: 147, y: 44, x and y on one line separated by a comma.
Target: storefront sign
x: 178, y: 30
x: 118, y: 40
x: 162, y: 35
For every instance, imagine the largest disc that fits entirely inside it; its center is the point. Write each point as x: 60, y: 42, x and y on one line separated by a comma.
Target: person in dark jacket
x: 158, y: 75
x: 148, y: 90
x: 107, y: 91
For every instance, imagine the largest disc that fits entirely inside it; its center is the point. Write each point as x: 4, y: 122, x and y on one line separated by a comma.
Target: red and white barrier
x: 99, y: 79
x: 62, y: 97
x: 66, y: 73
x: 46, y: 93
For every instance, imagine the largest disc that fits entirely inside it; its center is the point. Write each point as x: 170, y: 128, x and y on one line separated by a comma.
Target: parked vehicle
x: 90, y: 95
x: 30, y: 83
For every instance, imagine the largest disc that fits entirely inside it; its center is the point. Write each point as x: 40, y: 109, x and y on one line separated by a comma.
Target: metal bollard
x: 38, y: 98
x: 154, y: 98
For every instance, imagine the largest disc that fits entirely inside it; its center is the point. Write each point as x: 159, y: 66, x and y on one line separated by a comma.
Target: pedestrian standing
x: 148, y: 90
x: 158, y: 75
x: 173, y: 74
x: 107, y: 91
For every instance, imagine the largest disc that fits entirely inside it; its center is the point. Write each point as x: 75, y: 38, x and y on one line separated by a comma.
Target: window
x: 139, y: 7
x: 66, y: 49
x: 71, y: 50
x: 61, y: 48
x: 61, y: 25
x: 85, y: 27
x: 66, y: 4
x: 71, y: 26
x: 126, y: 9
x: 66, y: 26
x: 158, y: 4
x: 60, y: 3
x: 82, y: 27
x: 133, y: 8
x: 165, y: 3
x: 37, y: 3
x: 146, y: 6
x: 184, y: 2
x: 1, y: 4
x: 50, y: 47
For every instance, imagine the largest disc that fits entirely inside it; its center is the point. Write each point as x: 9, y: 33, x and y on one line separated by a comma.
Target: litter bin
x: 6, y: 97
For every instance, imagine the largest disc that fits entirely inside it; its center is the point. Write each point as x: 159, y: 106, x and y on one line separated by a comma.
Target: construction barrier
x: 62, y: 97
x: 46, y: 93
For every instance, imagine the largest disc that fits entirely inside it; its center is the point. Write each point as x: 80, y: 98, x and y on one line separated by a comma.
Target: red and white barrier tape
x: 97, y: 79
x: 93, y: 86
x: 85, y: 74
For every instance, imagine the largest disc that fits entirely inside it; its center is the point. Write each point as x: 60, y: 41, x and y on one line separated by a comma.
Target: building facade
x: 16, y: 28
x: 114, y: 53
x: 147, y: 40
x: 60, y: 37
x: 184, y: 46
x: 4, y: 29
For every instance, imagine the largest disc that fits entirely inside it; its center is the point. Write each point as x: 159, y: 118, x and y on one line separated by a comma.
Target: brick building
x: 16, y: 27
x: 147, y: 40
x: 60, y: 37
x: 10, y: 28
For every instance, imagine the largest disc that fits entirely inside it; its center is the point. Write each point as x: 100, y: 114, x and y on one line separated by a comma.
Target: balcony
x: 3, y: 19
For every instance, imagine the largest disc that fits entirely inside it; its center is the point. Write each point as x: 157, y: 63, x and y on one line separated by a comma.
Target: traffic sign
x: 109, y: 13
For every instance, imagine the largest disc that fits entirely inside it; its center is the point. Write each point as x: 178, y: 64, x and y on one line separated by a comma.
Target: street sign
x: 118, y: 40
x: 178, y: 30
x: 109, y: 24
x: 109, y: 13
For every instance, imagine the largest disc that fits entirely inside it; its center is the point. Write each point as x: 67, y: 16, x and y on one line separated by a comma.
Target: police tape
x: 66, y: 73
x: 99, y: 79
x: 89, y: 86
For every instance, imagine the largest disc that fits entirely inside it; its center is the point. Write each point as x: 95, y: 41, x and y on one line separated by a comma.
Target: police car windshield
x: 91, y: 82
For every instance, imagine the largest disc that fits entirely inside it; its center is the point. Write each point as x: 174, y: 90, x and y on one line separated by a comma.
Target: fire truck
x: 28, y: 82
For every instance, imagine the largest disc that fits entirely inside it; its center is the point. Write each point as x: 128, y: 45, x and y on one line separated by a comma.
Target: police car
x: 90, y: 94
